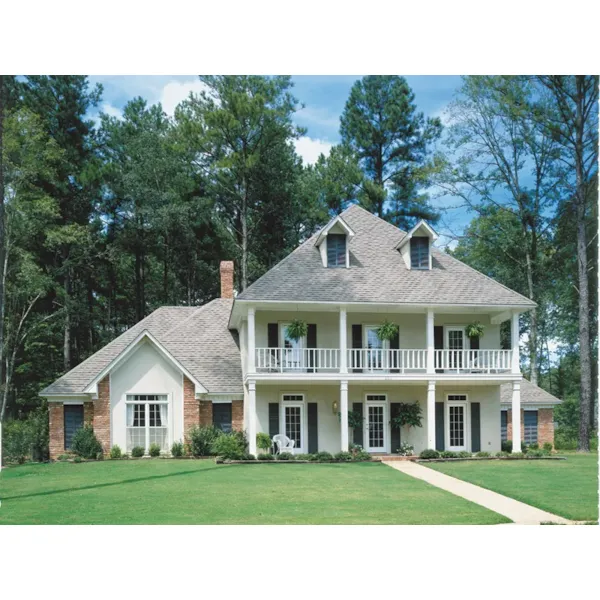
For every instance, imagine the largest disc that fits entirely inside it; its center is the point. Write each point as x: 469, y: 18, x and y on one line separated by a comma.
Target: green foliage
x: 536, y: 452
x: 177, y: 449
x: 355, y: 419
x: 115, y: 451
x: 429, y: 453
x: 137, y: 452
x: 464, y: 454
x: 387, y: 331
x: 297, y: 329
x: 534, y: 446
x: 249, y: 457
x: 77, y: 459
x: 405, y: 449
x: 85, y: 443
x: 408, y: 415
x: 475, y: 330
x: 507, y: 446
x: 266, y: 456
x: 482, y: 454
x: 285, y: 456
x: 202, y: 440
x: 263, y: 441
x: 448, y: 454
x: 154, y: 450
x: 501, y: 454
x: 16, y: 442
x: 64, y: 457
x: 302, y: 456
x: 229, y: 446
x: 547, y: 447
x: 323, y: 457
x: 343, y: 457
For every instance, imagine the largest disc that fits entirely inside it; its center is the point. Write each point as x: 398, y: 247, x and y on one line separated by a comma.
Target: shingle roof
x: 530, y: 394
x: 377, y: 273
x: 197, y: 337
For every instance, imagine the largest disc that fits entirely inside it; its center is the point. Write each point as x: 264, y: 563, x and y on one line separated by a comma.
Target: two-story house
x: 238, y: 362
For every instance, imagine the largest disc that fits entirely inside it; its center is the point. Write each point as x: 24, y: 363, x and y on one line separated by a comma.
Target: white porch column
x: 430, y: 341
x: 343, y: 342
x: 344, y: 414
x: 516, y: 416
x: 514, y: 340
x: 252, y: 417
x: 431, y: 415
x: 251, y: 341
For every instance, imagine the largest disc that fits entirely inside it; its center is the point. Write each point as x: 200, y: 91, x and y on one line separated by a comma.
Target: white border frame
x: 303, y: 418
x: 464, y: 403
x: 386, y: 420
x: 171, y: 414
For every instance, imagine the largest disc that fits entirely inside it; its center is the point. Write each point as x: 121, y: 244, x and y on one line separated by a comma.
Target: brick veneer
x: 226, y: 279
x: 206, y: 412
x: 56, y: 422
x: 191, y: 408
x: 545, y: 425
x: 237, y: 415
x: 88, y: 413
x: 101, y: 414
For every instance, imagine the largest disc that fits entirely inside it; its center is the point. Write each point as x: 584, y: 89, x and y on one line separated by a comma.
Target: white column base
x: 252, y: 417
x: 431, y: 415
x: 344, y: 415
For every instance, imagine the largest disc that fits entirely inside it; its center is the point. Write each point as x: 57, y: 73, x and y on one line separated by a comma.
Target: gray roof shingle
x: 530, y: 394
x: 377, y: 273
x: 197, y: 337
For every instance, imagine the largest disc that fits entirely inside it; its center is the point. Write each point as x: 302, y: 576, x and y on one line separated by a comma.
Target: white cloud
x: 111, y: 111
x: 310, y: 149
x: 176, y: 91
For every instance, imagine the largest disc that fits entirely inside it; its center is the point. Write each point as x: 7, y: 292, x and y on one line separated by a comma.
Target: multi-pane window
x: 419, y: 253
x: 336, y: 250
x: 293, y: 424
x: 376, y: 426
x: 147, y: 421
x: 503, y: 425
x: 530, y: 425
x: 293, y: 398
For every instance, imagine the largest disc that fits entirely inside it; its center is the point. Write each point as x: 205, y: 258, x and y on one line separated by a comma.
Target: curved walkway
x: 518, y: 512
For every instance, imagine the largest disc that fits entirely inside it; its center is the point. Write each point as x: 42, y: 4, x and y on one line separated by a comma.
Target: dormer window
x: 336, y: 250
x: 419, y: 253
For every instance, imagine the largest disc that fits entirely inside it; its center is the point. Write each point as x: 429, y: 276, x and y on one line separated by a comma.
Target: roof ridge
x: 192, y: 315
x: 363, y: 209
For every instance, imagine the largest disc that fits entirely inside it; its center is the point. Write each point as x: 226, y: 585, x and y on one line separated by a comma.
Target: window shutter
x: 395, y: 438
x: 475, y: 427
x: 474, y: 343
x: 273, y: 335
x: 395, y: 356
x: 438, y: 341
x: 439, y: 426
x: 357, y: 432
x: 311, y: 342
x: 313, y: 427
x: 357, y: 344
x: 273, y: 418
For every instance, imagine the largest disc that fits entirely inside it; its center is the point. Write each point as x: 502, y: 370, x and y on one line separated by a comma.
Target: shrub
x: 63, y: 457
x: 100, y: 456
x: 263, y: 441
x: 265, y: 456
x: 501, y: 454
x: 548, y: 447
x: 534, y: 446
x: 406, y: 449
x: 229, y: 446
x: 429, y: 453
x: 77, y: 459
x: 249, y: 457
x: 358, y: 454
x: 177, y: 449
x: 464, y: 454
x: 115, y: 451
x: 523, y: 447
x: 517, y: 455
x: 483, y: 454
x: 85, y: 443
x: 535, y: 452
x: 16, y: 446
x: 285, y: 456
x: 448, y: 454
x: 507, y: 446
x: 203, y: 439
x: 323, y: 457
x: 343, y: 457
x: 302, y: 456
x: 137, y: 452
x: 313, y: 457
x: 154, y: 450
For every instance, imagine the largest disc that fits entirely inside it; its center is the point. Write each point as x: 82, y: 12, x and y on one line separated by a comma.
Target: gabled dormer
x: 333, y: 242
x: 415, y: 247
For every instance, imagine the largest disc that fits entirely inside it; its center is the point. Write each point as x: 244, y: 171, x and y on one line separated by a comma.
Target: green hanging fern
x: 474, y: 330
x: 387, y: 331
x: 297, y: 329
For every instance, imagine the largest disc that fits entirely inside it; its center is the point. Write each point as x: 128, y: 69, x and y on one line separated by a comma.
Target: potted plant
x: 297, y: 329
x: 263, y: 442
x: 474, y: 330
x: 387, y: 331
x: 409, y: 415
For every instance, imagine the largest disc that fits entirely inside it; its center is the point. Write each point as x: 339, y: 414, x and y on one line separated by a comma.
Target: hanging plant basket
x: 387, y: 331
x: 474, y: 330
x: 297, y: 329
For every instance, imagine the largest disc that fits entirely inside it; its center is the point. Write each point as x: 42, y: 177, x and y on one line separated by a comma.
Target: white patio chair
x: 283, y: 443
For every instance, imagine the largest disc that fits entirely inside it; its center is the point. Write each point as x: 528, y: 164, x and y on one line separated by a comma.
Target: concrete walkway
x: 518, y: 512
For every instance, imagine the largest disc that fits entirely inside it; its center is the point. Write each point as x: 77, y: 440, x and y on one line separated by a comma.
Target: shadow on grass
x: 110, y: 484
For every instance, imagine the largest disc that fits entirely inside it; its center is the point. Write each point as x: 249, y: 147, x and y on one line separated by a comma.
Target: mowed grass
x: 568, y: 488
x: 201, y: 492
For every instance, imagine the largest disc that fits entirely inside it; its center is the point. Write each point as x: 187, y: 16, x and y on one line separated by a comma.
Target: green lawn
x: 189, y: 491
x: 568, y: 488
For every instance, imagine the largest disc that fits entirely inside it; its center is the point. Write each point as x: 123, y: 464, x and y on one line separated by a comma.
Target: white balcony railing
x: 297, y: 359
x: 374, y: 360
x: 473, y: 361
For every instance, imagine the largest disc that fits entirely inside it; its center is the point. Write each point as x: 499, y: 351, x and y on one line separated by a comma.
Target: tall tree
x: 568, y: 111
x: 499, y: 161
x: 380, y: 123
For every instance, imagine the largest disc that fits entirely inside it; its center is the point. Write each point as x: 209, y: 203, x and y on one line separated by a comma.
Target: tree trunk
x: 533, y: 327
x: 244, y: 224
x: 67, y: 325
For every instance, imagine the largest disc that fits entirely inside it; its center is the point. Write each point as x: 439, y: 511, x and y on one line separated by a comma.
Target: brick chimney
x: 226, y: 279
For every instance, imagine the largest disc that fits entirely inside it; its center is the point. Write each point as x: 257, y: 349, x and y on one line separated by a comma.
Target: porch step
x: 392, y: 457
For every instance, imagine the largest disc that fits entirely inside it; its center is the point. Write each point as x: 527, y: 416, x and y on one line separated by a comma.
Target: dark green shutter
x: 394, y: 410
x: 438, y: 342
x: 273, y: 335
x: 273, y: 418
x: 474, y: 343
x: 357, y: 432
x: 439, y: 426
x: 357, y: 344
x: 475, y: 427
x: 311, y: 342
x: 313, y: 428
x: 395, y: 360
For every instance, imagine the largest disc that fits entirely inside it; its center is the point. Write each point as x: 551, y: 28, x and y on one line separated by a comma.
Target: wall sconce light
x: 334, y: 407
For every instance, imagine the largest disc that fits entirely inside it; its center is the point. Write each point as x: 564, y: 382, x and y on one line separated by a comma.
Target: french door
x: 293, y: 351
x: 456, y: 419
x: 455, y: 343
x: 376, y: 350
x: 293, y: 420
x: 376, y: 424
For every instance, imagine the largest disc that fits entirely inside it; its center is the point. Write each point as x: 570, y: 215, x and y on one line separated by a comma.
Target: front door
x: 376, y: 427
x: 456, y: 413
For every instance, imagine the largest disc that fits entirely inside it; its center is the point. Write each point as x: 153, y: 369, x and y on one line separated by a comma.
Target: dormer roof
x: 335, y: 221
x: 420, y: 227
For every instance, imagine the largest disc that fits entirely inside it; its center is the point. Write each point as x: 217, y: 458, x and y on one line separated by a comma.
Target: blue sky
x: 323, y: 96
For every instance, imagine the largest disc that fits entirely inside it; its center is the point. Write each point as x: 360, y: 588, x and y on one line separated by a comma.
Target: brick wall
x: 226, y: 279
x: 101, y: 414
x: 237, y: 415
x: 191, y: 408
x: 56, y: 421
x: 206, y: 412
x: 545, y: 425
x: 88, y: 413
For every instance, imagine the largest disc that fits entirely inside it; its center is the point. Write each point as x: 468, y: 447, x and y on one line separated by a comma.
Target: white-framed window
x: 293, y: 350
x: 376, y: 422
x: 293, y: 415
x: 456, y: 422
x: 376, y: 348
x: 147, y: 421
